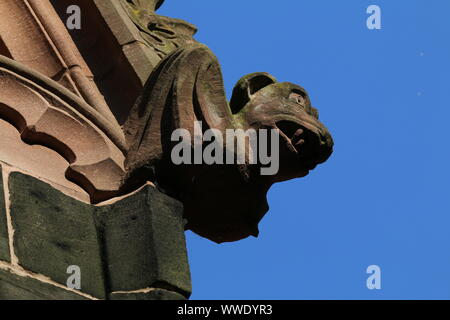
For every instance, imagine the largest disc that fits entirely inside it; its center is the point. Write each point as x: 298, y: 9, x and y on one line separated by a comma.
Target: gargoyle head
x: 262, y: 102
x: 258, y: 102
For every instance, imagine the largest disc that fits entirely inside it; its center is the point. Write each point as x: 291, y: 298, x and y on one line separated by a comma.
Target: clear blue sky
x: 383, y: 197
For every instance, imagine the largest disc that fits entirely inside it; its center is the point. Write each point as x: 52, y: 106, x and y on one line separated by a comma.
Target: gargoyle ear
x: 248, y: 86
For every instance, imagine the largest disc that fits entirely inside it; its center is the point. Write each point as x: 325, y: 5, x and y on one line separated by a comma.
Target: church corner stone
x: 133, y: 244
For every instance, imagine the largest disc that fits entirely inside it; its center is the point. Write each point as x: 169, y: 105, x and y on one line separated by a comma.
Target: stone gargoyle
x: 222, y: 202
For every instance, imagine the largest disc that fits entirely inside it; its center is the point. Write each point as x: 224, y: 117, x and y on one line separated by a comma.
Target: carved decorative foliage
x: 163, y: 34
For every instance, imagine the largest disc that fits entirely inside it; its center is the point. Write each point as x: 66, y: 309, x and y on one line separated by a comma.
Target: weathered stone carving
x: 103, y: 160
x: 222, y: 202
x: 162, y: 34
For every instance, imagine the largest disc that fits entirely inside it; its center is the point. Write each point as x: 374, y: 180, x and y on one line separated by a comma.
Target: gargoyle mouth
x: 311, y: 144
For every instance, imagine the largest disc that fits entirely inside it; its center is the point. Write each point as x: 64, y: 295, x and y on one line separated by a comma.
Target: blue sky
x: 383, y: 197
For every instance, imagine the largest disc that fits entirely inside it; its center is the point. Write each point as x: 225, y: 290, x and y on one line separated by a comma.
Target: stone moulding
x: 49, y: 48
x: 46, y: 113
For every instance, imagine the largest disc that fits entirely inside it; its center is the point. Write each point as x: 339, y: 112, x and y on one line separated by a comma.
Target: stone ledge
x: 144, y: 242
x: 149, y: 294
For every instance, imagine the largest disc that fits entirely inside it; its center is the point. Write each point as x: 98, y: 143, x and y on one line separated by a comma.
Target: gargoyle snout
x: 326, y: 145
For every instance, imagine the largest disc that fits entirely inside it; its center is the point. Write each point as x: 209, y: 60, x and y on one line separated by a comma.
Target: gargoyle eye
x: 298, y: 98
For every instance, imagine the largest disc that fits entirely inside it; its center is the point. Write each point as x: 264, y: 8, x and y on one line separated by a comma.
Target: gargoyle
x: 222, y: 202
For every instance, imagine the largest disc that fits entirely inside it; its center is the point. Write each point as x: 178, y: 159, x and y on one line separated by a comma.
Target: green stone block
x: 4, y: 241
x: 145, y: 242
x: 54, y: 231
x: 135, y: 243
